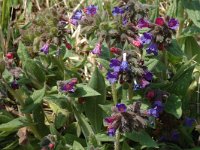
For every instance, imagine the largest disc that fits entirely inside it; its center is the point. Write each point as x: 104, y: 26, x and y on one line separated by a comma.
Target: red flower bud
x: 160, y: 21
x: 137, y: 43
x: 51, y: 146
x: 150, y: 95
x: 68, y: 45
x: 9, y: 55
x: 115, y: 50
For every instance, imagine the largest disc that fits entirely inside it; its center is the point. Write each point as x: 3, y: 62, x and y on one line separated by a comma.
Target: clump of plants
x: 107, y: 75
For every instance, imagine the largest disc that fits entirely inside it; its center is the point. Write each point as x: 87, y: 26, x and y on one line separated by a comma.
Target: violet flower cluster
x: 125, y: 118
x: 90, y: 10
x: 160, y: 34
x: 156, y: 97
x: 124, y: 71
x: 68, y: 86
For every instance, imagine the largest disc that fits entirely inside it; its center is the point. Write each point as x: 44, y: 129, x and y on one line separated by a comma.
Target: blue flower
x: 112, y: 77
x: 91, y: 10
x: 143, y: 83
x: 115, y: 64
x: 45, y: 48
x: 146, y: 38
x: 77, y: 15
x: 188, y: 122
x: 117, y: 10
x: 159, y: 106
x: 111, y: 131
x: 153, y: 48
x: 136, y: 87
x: 121, y: 107
x: 153, y: 112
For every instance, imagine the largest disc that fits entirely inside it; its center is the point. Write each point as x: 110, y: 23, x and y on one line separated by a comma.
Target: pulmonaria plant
x: 126, y: 119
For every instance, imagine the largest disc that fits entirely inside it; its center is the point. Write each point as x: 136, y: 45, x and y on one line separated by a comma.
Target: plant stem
x: 114, y: 93
x: 130, y: 92
x: 117, y: 138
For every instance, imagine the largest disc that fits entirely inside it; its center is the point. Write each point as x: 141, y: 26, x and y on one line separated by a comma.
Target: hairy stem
x: 117, y: 138
x: 114, y: 93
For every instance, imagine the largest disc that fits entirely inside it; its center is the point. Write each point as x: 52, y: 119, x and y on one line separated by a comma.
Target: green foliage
x: 92, y: 104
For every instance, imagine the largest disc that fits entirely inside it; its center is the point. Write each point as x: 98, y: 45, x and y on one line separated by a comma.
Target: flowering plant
x: 101, y: 75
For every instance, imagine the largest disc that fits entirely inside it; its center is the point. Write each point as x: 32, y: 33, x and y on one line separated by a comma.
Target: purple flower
x: 45, y: 48
x: 77, y: 15
x: 109, y: 120
x: 188, y: 122
x: 175, y: 135
x: 74, y: 22
x: 15, y: 85
x: 115, y: 64
x: 97, y: 49
x: 152, y: 49
x: 143, y: 83
x: 117, y: 10
x: 111, y: 131
x: 153, y: 112
x: 146, y: 38
x: 148, y: 75
x: 142, y: 23
x: 91, y: 10
x: 121, y: 107
x: 67, y: 86
x: 112, y: 77
x: 159, y: 106
x: 173, y: 24
x: 124, y: 21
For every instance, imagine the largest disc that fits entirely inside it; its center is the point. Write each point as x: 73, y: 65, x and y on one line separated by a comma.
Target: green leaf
x: 86, y: 128
x: 83, y: 90
x: 97, y: 82
x: 173, y: 106
x: 175, y: 49
x: 22, y: 52
x: 182, y: 79
x: 155, y: 11
x: 193, y: 11
x: 125, y: 146
x: 143, y: 138
x: 104, y: 63
x: 13, y: 125
x: 77, y: 146
x: 36, y: 99
x: 70, y: 138
x: 190, y: 31
x: 35, y: 73
x: 39, y: 120
x: 190, y: 47
x: 104, y: 138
